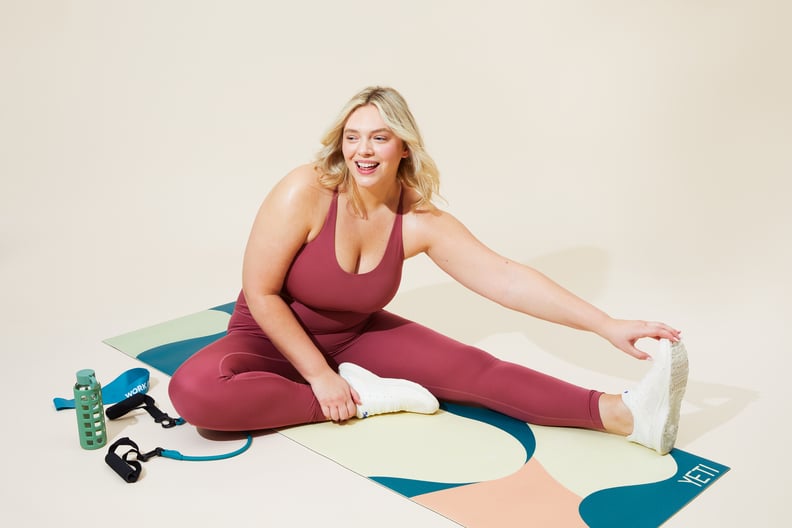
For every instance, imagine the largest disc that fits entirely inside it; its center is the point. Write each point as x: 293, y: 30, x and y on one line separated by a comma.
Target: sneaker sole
x: 677, y: 384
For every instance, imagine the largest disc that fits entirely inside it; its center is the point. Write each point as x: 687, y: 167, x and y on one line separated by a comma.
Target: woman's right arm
x: 282, y: 225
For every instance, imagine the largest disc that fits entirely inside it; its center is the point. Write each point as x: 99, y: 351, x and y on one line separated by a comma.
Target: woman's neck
x: 374, y: 198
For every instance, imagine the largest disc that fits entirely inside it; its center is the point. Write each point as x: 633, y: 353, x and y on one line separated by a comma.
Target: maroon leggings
x: 242, y: 383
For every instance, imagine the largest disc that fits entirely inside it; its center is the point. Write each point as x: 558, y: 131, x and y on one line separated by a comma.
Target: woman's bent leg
x: 241, y: 383
x: 398, y: 348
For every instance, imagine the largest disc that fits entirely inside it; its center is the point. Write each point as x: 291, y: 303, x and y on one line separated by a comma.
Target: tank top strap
x: 332, y: 213
x: 395, y: 243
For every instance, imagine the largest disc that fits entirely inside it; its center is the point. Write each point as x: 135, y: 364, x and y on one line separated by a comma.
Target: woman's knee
x: 190, y: 395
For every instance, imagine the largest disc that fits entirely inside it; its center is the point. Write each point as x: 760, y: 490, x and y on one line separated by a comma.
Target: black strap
x: 142, y: 401
x: 127, y: 468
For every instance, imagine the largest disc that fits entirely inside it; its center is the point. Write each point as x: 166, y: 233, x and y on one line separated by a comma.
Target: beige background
x: 637, y: 152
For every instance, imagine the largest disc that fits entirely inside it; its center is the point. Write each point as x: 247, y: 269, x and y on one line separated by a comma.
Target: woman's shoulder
x: 423, y: 224
x: 303, y: 177
x: 296, y: 204
x: 301, y: 185
x: 411, y: 203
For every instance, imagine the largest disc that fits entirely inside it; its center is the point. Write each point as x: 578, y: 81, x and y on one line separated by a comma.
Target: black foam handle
x: 124, y: 406
x: 127, y: 470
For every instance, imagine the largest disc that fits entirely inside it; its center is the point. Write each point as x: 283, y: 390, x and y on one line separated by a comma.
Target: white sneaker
x: 386, y: 395
x: 656, y: 401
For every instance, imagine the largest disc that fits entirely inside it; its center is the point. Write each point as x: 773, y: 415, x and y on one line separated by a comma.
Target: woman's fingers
x: 626, y: 333
x: 663, y: 331
x: 654, y: 330
x: 340, y: 412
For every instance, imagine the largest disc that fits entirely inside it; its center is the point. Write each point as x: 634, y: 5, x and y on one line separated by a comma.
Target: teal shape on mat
x: 650, y: 505
x: 519, y: 430
x: 413, y: 488
x: 227, y: 308
x: 168, y: 357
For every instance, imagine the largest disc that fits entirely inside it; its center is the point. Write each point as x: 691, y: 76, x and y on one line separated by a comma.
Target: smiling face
x: 371, y: 150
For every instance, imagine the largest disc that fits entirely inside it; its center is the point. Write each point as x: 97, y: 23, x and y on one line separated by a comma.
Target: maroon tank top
x: 323, y: 296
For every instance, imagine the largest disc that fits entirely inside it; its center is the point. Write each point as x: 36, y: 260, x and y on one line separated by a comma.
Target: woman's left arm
x: 519, y: 287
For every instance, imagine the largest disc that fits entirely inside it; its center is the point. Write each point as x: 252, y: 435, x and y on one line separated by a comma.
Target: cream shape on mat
x: 588, y: 461
x: 442, y: 447
x: 205, y: 323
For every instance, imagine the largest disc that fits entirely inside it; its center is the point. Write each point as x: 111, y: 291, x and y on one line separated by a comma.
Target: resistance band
x: 127, y: 466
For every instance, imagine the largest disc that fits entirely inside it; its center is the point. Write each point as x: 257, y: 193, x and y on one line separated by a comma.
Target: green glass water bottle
x: 90, y: 411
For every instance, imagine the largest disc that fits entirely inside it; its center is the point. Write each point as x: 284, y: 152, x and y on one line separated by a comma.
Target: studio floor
x: 638, y: 154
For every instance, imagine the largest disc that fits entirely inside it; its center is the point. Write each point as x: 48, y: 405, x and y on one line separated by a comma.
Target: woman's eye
x: 380, y: 138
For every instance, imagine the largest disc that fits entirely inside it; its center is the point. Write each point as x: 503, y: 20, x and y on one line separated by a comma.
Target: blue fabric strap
x: 133, y: 381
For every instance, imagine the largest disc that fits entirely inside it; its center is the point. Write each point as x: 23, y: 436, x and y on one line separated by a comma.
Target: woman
x: 308, y: 340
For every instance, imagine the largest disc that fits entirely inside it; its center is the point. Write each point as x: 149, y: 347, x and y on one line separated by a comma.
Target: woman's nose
x: 364, y: 147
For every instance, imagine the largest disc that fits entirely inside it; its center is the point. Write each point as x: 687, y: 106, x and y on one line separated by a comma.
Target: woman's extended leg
x: 397, y: 348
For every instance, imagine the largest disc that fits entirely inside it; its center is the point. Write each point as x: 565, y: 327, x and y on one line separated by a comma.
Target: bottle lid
x: 86, y: 377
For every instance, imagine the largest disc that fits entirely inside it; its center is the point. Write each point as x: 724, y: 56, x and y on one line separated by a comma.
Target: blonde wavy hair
x: 417, y: 171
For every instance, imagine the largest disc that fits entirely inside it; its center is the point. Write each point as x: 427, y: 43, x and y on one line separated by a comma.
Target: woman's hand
x: 623, y: 334
x: 338, y: 400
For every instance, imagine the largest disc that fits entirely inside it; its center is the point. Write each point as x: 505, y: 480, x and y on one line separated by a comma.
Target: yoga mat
x: 476, y: 467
